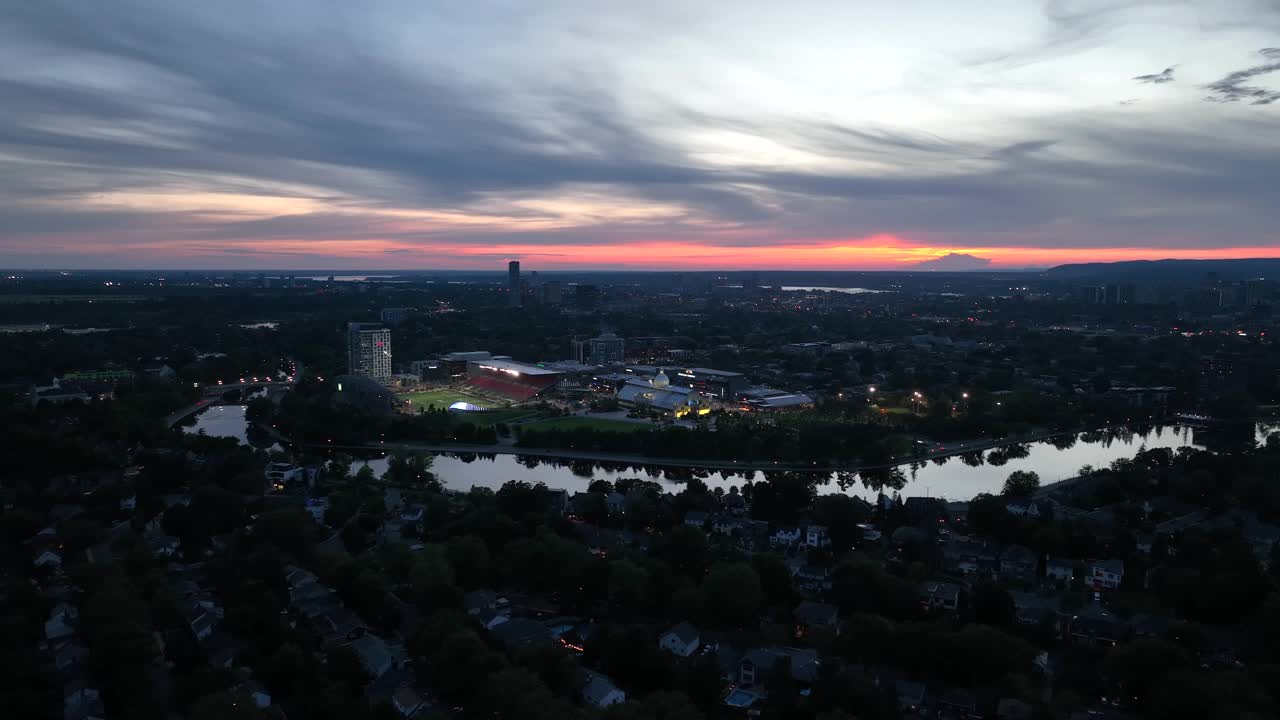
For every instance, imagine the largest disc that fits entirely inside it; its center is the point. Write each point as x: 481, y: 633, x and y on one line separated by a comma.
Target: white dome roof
x: 661, y: 380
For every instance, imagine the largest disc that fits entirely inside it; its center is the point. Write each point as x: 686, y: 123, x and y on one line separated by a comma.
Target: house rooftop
x: 686, y: 632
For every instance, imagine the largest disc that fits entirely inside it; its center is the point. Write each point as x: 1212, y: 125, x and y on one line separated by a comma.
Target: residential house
x: 61, y: 623
x: 1096, y: 627
x: 1023, y: 508
x: 374, y: 653
x: 810, y: 616
x: 785, y: 536
x: 1034, y: 609
x: 939, y: 596
x: 616, y: 502
x: 960, y: 554
x: 518, y: 632
x: 812, y: 579
x: 255, y: 691
x: 203, y: 618
x: 81, y: 702
x: 1105, y: 574
x: 49, y: 559
x: 696, y: 518
x: 869, y: 532
x: 1017, y: 562
x: 816, y: 537
x: 70, y: 656
x: 161, y: 545
x: 756, y: 664
x: 683, y: 640
x: 558, y: 502
x: 339, y: 626
x: 477, y: 601
x: 599, y: 691
x: 1059, y: 570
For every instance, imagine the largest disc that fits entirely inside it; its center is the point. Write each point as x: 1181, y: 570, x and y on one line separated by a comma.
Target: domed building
x: 658, y: 393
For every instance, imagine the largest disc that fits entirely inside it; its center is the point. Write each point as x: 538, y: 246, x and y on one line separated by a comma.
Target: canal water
x: 954, y: 478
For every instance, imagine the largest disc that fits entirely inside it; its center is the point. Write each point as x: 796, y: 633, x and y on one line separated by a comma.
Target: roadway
x: 217, y: 389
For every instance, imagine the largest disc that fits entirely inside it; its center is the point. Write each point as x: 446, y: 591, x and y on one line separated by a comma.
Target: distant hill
x: 1169, y: 270
x: 954, y: 262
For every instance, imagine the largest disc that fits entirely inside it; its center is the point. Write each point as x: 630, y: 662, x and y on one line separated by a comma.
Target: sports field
x: 442, y: 398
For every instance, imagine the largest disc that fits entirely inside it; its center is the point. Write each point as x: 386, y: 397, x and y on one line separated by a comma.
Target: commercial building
x: 552, y: 292
x: 455, y: 363
x: 395, y: 316
x: 656, y: 393
x: 514, y: 295
x: 770, y: 400
x: 606, y: 349
x: 721, y: 384
x: 369, y: 351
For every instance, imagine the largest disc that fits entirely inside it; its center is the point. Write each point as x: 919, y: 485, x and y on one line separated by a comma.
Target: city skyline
x: 718, y: 136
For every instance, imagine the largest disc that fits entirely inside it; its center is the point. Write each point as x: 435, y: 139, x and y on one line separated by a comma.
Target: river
x: 953, y: 478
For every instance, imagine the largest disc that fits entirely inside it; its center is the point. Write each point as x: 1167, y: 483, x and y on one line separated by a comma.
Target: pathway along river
x: 956, y: 478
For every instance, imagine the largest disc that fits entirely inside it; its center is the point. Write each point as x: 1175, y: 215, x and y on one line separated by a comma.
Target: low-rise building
x: 601, y: 692
x: 1059, y: 570
x: 939, y: 596
x: 810, y: 616
x: 1106, y: 574
x: 683, y: 640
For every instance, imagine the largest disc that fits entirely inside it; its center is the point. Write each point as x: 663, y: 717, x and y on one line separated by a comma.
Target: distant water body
x: 849, y: 291
x: 353, y: 278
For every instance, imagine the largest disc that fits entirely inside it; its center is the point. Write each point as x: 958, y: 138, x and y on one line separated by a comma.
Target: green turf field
x: 442, y: 398
x: 572, y: 423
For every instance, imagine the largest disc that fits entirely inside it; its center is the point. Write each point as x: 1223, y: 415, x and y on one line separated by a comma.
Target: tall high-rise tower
x: 369, y: 351
x: 513, y: 284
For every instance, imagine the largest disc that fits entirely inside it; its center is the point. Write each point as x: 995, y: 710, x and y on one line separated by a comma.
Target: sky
x: 717, y: 134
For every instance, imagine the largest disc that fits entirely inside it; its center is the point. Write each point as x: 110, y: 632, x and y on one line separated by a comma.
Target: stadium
x: 511, y: 380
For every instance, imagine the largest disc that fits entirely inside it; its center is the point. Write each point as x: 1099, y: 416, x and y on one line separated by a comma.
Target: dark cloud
x: 1024, y: 148
x: 1160, y: 78
x: 1233, y: 88
x: 169, y: 94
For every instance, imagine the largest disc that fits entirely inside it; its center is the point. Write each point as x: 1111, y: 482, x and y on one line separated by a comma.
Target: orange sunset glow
x: 878, y: 252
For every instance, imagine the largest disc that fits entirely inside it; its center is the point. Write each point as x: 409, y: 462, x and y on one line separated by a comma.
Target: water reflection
x: 1054, y: 460
x: 221, y: 421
